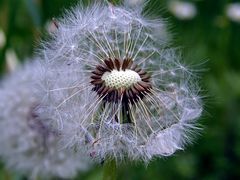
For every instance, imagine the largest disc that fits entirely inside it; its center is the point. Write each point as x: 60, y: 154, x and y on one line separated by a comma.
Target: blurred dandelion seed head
x: 182, y: 10
x: 233, y: 12
x: 28, y: 145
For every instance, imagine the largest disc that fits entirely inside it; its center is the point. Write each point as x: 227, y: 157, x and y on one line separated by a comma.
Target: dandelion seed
x: 128, y: 95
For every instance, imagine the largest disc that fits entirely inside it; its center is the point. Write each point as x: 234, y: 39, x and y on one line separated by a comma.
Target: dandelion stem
x: 109, y: 170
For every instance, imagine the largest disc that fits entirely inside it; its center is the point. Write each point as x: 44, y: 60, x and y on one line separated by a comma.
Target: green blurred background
x: 210, y: 42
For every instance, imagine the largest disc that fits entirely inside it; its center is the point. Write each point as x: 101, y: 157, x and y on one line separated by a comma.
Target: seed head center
x: 117, y: 80
x: 120, y: 79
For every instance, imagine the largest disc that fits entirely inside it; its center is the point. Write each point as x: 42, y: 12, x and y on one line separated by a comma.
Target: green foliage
x: 211, y: 44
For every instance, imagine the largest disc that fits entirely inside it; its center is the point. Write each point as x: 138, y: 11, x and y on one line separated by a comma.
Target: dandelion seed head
x: 122, y: 92
x: 28, y: 145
